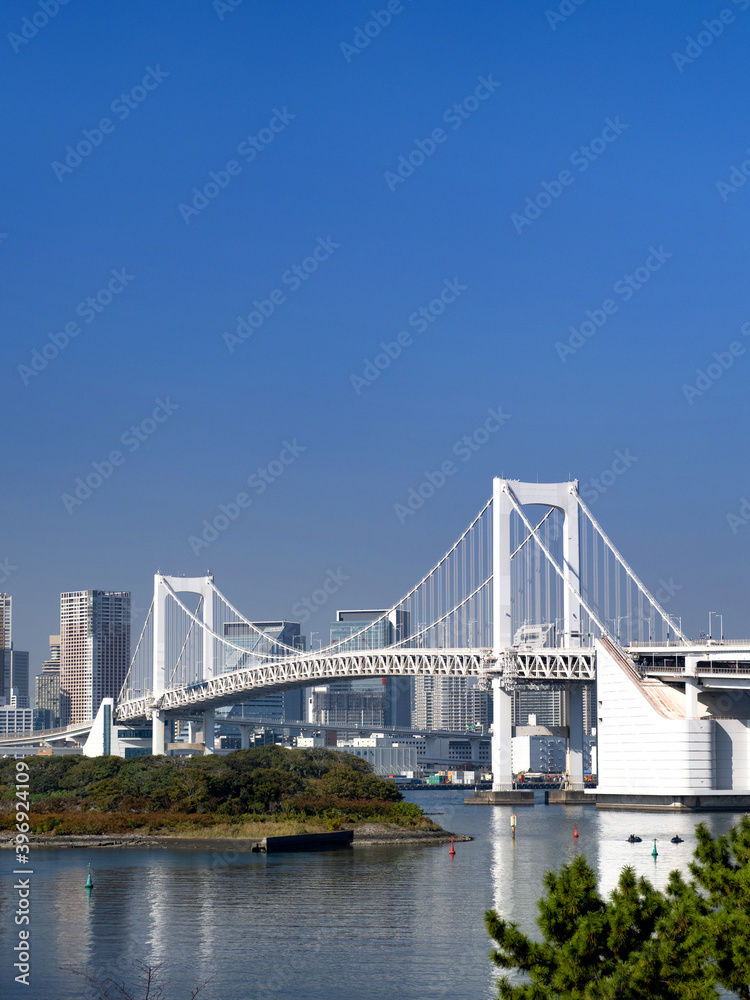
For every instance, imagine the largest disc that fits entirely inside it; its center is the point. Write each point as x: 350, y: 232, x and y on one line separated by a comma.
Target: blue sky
x: 595, y: 91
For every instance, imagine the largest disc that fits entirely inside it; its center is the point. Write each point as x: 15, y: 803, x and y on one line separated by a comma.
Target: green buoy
x: 654, y: 853
x: 89, y: 881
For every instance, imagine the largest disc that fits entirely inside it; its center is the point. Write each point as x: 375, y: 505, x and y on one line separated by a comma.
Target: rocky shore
x: 365, y: 834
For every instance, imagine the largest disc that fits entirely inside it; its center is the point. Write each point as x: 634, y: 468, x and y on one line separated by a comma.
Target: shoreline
x: 366, y: 835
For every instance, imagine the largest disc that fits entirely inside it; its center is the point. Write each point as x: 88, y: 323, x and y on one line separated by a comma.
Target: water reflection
x: 376, y: 922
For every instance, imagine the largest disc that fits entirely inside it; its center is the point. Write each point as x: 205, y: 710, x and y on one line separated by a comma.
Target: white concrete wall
x: 733, y: 754
x: 639, y: 750
x: 520, y: 753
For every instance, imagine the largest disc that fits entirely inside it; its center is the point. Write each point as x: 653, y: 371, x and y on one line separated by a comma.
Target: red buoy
x: 452, y: 851
x: 575, y: 832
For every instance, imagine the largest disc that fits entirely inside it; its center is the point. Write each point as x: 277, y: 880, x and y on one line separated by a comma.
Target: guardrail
x: 736, y: 667
x: 679, y: 644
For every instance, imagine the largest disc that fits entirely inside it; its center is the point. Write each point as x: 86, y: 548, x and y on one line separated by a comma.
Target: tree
x: 638, y: 945
x: 722, y: 869
x: 147, y: 985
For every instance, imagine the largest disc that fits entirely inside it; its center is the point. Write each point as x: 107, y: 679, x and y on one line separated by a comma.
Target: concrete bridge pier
x: 245, y: 737
x: 209, y: 734
x: 692, y: 687
x: 158, y: 732
x: 502, y: 770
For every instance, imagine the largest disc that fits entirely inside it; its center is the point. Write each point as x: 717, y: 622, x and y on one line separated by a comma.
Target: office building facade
x: 373, y: 629
x: 452, y: 703
x: 94, y: 650
x: 283, y: 706
x: 47, y: 689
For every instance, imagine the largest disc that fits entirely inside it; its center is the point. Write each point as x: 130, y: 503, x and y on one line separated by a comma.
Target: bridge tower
x: 563, y: 497
x: 163, y: 585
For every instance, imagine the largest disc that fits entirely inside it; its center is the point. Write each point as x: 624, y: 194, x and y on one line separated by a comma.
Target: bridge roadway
x: 540, y: 665
x: 710, y: 662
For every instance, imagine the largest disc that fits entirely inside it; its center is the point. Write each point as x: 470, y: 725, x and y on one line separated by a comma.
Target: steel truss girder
x: 513, y: 666
x: 552, y: 665
x: 308, y: 670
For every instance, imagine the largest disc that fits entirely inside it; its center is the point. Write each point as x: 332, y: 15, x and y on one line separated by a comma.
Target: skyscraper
x: 373, y: 630
x: 282, y: 706
x: 454, y: 703
x: 94, y: 650
x: 5, y: 621
x: 47, y: 689
x: 14, y: 663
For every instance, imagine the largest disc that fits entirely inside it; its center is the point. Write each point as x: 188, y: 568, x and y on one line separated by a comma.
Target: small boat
x: 677, y: 840
x: 632, y: 839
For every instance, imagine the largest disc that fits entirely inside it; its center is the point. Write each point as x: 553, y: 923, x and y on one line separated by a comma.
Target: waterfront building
x: 94, y: 650
x: 387, y: 756
x: 15, y: 719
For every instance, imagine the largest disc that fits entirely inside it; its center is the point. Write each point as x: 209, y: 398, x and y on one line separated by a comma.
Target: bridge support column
x: 209, y: 718
x: 574, y: 719
x: 502, y: 771
x: 245, y: 737
x: 692, y: 688
x: 158, y: 727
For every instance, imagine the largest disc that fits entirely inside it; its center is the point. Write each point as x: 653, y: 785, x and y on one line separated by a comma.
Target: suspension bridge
x: 532, y: 593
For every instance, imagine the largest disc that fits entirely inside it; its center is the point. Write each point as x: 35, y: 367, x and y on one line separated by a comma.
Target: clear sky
x: 538, y: 166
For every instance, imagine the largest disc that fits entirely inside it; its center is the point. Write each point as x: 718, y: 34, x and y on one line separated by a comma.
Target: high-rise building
x: 6, y: 644
x: 283, y: 706
x: 16, y: 676
x: 47, y: 689
x: 454, y: 703
x: 94, y: 650
x: 14, y: 663
x: 333, y: 708
x: 354, y: 630
x: 545, y: 703
x: 6, y: 635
